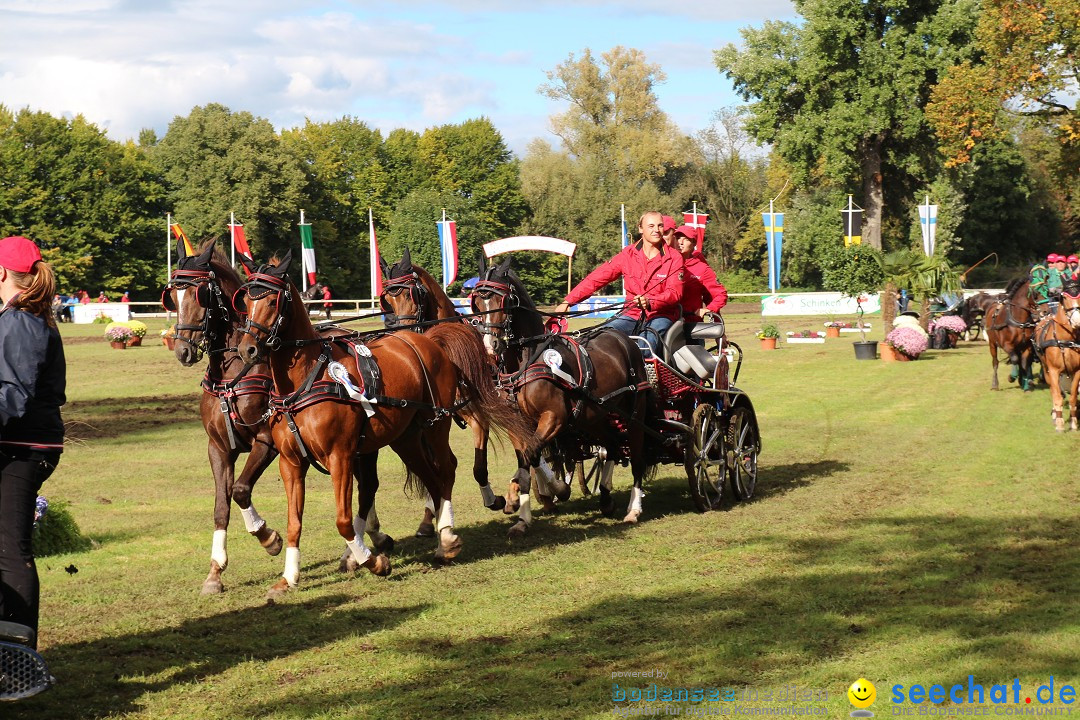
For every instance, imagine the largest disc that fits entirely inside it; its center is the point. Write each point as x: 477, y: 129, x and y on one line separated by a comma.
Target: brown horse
x: 334, y: 401
x: 234, y: 398
x: 234, y: 402
x: 972, y: 311
x: 592, y: 392
x: 1057, y: 338
x: 412, y: 299
x: 1010, y: 325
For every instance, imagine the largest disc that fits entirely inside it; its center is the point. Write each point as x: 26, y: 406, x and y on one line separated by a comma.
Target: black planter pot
x: 865, y: 350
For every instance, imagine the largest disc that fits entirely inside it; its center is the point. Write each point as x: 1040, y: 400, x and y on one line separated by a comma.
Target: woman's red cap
x: 18, y: 254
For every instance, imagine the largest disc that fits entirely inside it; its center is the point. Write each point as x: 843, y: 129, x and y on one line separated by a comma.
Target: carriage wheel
x: 742, y: 444
x: 705, y: 459
x: 588, y: 472
x: 973, y: 331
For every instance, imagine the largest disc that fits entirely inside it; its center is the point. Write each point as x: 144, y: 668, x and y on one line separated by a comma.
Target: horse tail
x: 462, y: 344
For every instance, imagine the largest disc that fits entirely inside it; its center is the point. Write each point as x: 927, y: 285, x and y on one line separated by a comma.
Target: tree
x: 216, y: 161
x: 345, y: 177
x: 94, y: 206
x: 841, y: 96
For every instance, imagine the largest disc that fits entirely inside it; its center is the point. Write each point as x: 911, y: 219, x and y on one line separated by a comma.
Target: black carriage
x: 702, y: 419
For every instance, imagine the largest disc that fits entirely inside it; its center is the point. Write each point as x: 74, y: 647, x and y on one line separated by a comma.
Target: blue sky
x: 130, y: 64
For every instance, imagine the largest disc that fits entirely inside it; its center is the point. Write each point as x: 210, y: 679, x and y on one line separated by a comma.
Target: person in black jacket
x: 32, y: 387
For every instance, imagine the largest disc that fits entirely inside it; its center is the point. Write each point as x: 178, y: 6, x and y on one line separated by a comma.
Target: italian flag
x: 308, y: 254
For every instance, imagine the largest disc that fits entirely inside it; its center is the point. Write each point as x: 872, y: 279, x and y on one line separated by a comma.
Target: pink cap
x: 1072, y: 259
x: 18, y: 254
x: 669, y: 223
x: 1052, y: 258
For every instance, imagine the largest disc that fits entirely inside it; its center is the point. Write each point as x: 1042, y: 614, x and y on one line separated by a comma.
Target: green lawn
x: 910, y: 527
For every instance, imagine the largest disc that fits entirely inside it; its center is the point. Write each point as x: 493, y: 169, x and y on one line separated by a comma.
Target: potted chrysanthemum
x: 907, y: 342
x: 118, y: 336
x: 138, y: 332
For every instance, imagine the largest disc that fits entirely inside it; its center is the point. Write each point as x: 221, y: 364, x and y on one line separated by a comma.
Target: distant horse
x: 1010, y: 325
x: 592, y: 392
x: 972, y: 311
x: 411, y: 296
x: 335, y: 400
x: 315, y: 292
x: 235, y: 398
x: 1057, y: 338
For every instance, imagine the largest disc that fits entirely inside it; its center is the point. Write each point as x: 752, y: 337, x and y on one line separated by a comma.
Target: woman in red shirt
x: 702, y: 292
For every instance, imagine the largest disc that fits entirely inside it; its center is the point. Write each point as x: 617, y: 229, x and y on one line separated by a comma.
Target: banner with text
x: 819, y: 303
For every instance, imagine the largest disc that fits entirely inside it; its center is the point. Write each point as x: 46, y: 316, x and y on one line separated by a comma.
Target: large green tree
x: 217, y: 161
x: 345, y: 176
x: 95, y: 206
x: 841, y: 94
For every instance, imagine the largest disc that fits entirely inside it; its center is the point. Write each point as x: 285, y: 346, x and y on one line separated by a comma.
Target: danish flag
x: 697, y: 221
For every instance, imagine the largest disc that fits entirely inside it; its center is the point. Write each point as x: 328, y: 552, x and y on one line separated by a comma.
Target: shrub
x: 56, y: 532
x: 103, y: 319
x: 768, y: 331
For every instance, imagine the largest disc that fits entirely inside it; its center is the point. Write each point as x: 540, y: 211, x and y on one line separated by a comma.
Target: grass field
x: 910, y: 527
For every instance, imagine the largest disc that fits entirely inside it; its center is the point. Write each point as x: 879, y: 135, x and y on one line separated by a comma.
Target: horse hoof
x: 517, y: 531
x: 547, y: 504
x: 511, y: 506
x: 348, y: 564
x: 448, y: 549
x: 564, y: 494
x: 277, y: 591
x: 386, y: 546
x: 632, y: 517
x: 607, y: 506
x: 212, y: 587
x: 273, y: 543
x: 378, y: 565
x: 426, y: 530
x: 498, y: 504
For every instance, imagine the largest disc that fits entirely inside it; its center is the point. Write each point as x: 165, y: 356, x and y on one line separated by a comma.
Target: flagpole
x: 232, y: 236
x: 168, y: 246
x: 374, y: 258
x: 303, y: 263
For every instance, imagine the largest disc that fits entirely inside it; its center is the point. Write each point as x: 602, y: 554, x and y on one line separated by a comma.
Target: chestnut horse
x: 592, y: 392
x: 412, y: 299
x: 1057, y: 338
x: 234, y: 403
x: 331, y: 404
x: 1010, y: 325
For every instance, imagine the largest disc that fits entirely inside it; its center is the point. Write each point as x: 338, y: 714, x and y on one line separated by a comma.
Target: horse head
x: 503, y: 307
x: 266, y: 300
x: 1070, y: 302
x: 197, y: 292
x: 407, y: 297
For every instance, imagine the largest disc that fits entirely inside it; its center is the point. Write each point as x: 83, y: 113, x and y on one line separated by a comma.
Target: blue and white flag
x: 928, y: 226
x: 625, y: 235
x: 448, y: 242
x: 774, y: 241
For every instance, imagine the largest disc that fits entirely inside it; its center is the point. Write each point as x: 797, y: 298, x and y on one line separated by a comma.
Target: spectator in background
x: 125, y: 298
x: 84, y: 297
x: 326, y: 297
x: 103, y: 298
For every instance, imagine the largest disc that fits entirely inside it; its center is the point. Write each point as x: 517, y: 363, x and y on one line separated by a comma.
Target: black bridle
x: 258, y: 286
x: 209, y: 296
x: 417, y: 293
x: 508, y: 300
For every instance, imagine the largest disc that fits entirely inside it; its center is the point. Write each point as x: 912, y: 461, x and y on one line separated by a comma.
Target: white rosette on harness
x: 553, y: 359
x: 340, y: 375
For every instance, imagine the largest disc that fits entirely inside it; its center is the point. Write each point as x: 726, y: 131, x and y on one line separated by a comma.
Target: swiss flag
x: 697, y: 221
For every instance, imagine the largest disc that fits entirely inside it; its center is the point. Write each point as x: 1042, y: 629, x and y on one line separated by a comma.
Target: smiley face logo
x: 862, y: 693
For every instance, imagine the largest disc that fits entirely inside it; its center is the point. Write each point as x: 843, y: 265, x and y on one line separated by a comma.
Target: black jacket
x: 33, y: 376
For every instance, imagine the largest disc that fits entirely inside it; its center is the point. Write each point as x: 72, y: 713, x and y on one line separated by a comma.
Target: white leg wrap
x: 292, y: 566
x: 359, y: 550
x: 446, y: 515
x: 636, y: 494
x: 252, y: 521
x: 606, y: 473
x: 488, y: 495
x: 429, y: 504
x: 525, y: 512
x: 217, y: 551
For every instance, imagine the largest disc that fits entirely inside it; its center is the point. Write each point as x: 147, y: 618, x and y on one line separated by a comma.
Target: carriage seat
x: 693, y: 360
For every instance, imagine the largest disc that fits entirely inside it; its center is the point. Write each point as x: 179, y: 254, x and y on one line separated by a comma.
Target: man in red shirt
x: 702, y: 292
x: 327, y: 305
x: 653, y: 274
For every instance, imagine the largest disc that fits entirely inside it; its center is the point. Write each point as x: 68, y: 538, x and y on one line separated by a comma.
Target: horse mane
x: 221, y: 265
x: 522, y: 294
x: 1014, y: 285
